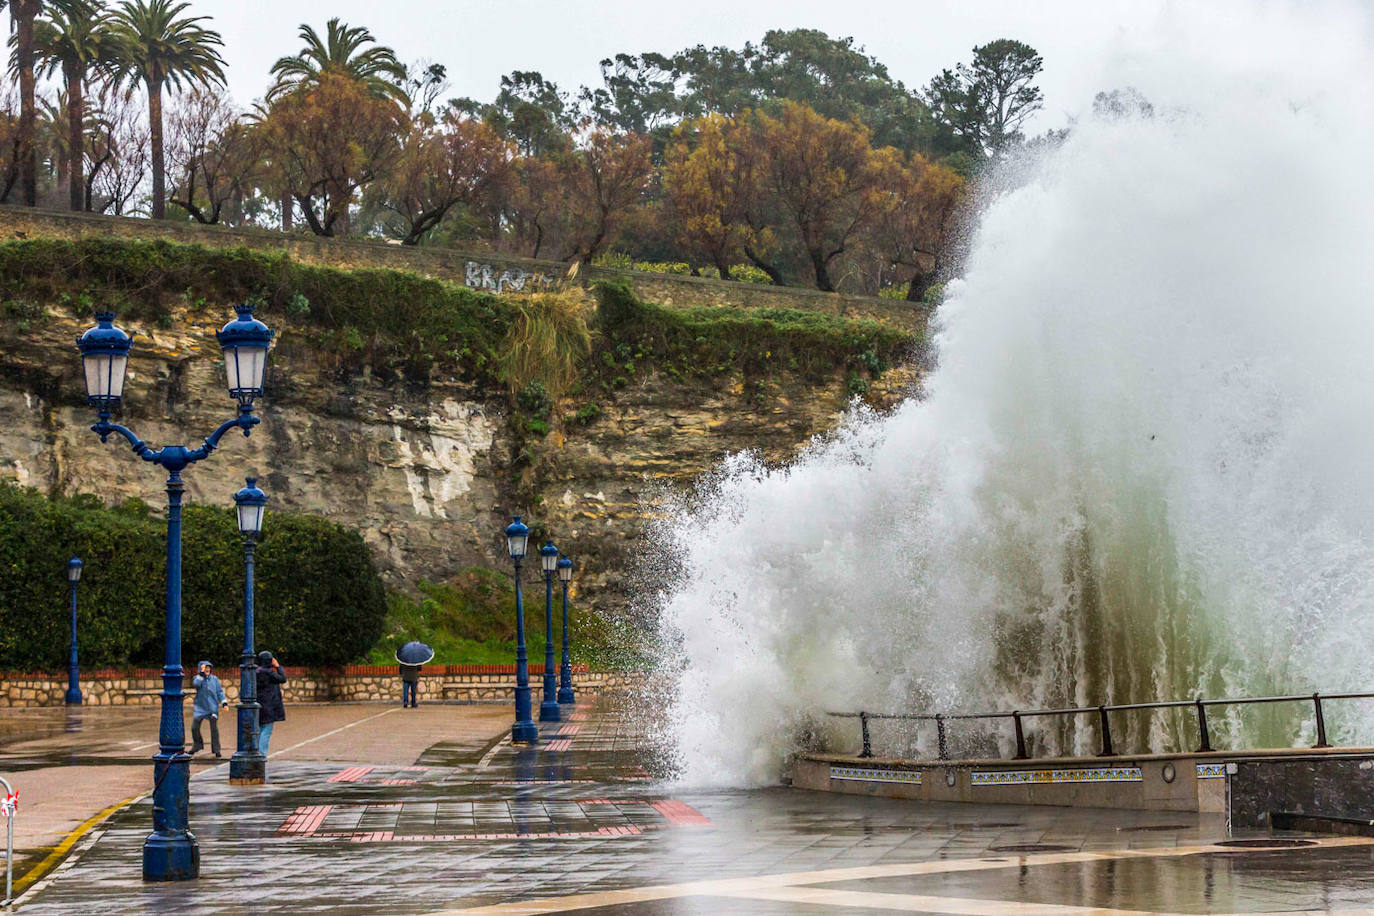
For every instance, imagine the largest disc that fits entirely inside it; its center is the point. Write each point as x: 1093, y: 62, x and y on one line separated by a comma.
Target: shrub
x: 319, y: 599
x: 547, y: 342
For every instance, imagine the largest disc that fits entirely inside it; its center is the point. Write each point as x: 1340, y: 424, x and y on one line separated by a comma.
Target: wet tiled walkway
x: 583, y: 823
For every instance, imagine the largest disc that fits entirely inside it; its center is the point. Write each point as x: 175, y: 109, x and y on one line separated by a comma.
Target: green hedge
x: 319, y: 599
x: 386, y: 316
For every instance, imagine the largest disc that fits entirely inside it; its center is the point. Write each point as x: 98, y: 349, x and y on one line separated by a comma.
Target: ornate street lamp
x: 170, y: 852
x: 524, y: 730
x: 565, y: 686
x: 248, y: 766
x: 73, y: 673
x: 548, y: 710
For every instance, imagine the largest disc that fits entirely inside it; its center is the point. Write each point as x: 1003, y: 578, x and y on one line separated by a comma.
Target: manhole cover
x: 1031, y: 847
x: 1160, y: 828
x: 1266, y: 844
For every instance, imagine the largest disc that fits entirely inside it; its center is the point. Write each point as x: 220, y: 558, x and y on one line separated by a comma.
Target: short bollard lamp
x: 524, y: 730
x: 248, y: 766
x: 565, y: 684
x: 170, y: 853
x: 548, y: 710
x: 73, y: 672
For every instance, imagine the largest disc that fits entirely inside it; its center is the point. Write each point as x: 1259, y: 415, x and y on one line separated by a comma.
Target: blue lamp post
x: 524, y: 730
x: 565, y: 686
x: 73, y: 674
x: 248, y: 766
x: 548, y: 710
x: 170, y: 853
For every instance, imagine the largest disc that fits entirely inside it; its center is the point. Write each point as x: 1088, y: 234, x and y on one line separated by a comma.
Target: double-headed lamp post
x: 248, y: 766
x: 524, y: 730
x: 548, y: 710
x: 170, y: 852
x: 565, y: 686
x: 73, y: 673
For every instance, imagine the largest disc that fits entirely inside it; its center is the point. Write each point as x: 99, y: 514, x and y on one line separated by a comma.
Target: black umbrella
x: 414, y: 653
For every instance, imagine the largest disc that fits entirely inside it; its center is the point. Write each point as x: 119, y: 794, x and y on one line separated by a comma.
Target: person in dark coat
x: 271, y: 710
x: 410, y: 684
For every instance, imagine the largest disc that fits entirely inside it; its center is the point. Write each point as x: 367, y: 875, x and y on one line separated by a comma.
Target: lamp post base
x: 524, y: 733
x: 548, y: 712
x: 73, y: 697
x: 171, y: 857
x: 566, y: 696
x: 247, y: 769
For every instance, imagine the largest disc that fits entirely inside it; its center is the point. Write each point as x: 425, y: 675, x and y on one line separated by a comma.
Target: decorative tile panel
x: 1211, y: 771
x: 868, y: 774
x: 1055, y: 777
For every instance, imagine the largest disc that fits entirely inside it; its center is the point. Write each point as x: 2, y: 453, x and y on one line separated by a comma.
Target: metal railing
x: 1200, y: 705
x: 11, y: 810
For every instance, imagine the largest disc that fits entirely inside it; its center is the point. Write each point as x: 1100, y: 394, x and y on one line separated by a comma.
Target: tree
x: 708, y: 176
x: 531, y: 111
x: 9, y: 142
x: 216, y: 155
x: 120, y: 157
x: 606, y: 177
x: 983, y: 106
x: 76, y: 39
x: 343, y: 51
x: 459, y: 162
x: 640, y: 93
x: 23, y: 14
x: 328, y: 140
x: 821, y: 173
x: 917, y: 218
x: 535, y: 208
x: 161, y: 49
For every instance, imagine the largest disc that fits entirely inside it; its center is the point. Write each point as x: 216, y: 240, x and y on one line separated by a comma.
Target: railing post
x: 940, y: 732
x: 1020, y: 738
x: 1321, y: 721
x: 1206, y: 744
x: 1107, y: 750
x: 868, y: 744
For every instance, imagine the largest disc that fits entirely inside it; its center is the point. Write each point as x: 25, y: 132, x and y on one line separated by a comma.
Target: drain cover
x: 1266, y: 844
x: 1031, y: 847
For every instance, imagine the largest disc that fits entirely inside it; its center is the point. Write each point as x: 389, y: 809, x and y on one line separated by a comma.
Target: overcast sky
x: 479, y: 40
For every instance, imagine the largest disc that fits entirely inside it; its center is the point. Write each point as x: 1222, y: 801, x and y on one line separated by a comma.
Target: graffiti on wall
x: 512, y: 279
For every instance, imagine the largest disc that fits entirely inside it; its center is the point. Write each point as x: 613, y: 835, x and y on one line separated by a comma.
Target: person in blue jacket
x: 209, y: 700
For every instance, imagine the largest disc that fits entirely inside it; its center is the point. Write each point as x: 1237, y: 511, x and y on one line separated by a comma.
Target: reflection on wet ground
x: 584, y: 822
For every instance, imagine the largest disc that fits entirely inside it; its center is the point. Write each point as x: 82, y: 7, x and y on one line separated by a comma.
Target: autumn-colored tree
x: 606, y: 177
x: 329, y: 139
x: 918, y: 204
x: 821, y: 174
x: 708, y: 178
x: 215, y: 156
x: 534, y: 208
x: 458, y: 162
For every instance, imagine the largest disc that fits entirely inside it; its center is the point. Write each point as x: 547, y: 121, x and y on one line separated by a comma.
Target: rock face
x: 429, y: 475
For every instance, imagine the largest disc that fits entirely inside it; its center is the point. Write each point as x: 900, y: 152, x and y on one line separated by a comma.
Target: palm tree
x: 22, y: 16
x: 159, y: 49
x: 341, y: 52
x: 75, y: 38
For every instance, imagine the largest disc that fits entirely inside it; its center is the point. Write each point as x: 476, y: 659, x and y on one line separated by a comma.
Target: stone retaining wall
x: 106, y: 688
x: 480, y: 270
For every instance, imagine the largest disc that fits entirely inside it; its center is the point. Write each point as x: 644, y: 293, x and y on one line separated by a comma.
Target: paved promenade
x: 381, y: 810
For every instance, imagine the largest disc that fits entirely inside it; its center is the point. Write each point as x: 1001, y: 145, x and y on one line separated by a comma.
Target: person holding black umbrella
x: 271, y: 710
x: 411, y: 657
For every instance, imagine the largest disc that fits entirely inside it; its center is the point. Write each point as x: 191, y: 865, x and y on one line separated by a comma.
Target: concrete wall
x: 356, y: 684
x: 480, y: 270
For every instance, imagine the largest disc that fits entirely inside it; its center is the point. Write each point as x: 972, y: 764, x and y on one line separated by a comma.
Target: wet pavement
x: 468, y: 823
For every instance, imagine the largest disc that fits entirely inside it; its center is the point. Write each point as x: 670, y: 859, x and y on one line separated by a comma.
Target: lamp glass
x: 105, y: 375
x: 548, y: 555
x: 565, y: 569
x: 74, y: 570
x: 244, y: 369
x: 516, y: 543
x: 250, y: 519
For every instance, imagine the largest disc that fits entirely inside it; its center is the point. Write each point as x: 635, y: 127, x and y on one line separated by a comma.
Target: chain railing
x: 1017, y: 717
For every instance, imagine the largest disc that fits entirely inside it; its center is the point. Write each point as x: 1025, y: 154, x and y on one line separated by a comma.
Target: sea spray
x: 1142, y: 469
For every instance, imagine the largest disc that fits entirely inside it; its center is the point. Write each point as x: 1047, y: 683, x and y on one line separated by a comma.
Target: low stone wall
x: 479, y: 270
x: 362, y: 684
